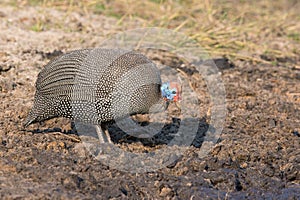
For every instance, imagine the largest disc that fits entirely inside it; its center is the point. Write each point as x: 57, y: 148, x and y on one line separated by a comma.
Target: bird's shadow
x: 165, y: 136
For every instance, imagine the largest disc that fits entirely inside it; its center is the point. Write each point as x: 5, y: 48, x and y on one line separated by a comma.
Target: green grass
x: 99, y: 8
x: 37, y: 27
x: 294, y: 36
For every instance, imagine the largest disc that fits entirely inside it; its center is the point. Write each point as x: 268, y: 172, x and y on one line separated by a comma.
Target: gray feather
x: 96, y: 86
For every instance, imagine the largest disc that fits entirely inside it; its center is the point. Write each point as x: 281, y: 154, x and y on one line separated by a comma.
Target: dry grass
x: 258, y: 31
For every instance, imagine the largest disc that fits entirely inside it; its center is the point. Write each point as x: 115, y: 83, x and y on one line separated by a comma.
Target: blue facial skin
x: 168, y: 93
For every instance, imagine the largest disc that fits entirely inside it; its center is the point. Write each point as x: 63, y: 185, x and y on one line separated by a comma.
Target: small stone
x: 80, y: 149
x: 156, y: 183
x: 272, y: 123
x: 165, y: 191
x: 243, y: 165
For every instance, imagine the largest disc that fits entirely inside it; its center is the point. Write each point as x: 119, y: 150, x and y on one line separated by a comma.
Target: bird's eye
x: 173, y: 92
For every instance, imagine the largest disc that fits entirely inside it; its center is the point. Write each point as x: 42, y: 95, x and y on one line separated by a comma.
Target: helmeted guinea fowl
x: 99, y: 86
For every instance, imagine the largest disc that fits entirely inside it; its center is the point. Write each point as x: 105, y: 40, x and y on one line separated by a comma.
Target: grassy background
x: 257, y: 31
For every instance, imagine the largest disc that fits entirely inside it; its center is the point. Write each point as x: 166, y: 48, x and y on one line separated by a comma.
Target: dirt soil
x: 257, y: 156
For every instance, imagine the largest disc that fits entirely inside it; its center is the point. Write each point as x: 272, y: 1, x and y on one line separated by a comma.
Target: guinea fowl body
x: 96, y: 86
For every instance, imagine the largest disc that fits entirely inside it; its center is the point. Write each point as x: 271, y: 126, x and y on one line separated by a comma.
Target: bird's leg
x: 107, y: 136
x: 103, y: 136
x: 94, y: 139
x: 178, y: 106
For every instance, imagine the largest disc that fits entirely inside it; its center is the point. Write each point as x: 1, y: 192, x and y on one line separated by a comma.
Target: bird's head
x: 171, y: 91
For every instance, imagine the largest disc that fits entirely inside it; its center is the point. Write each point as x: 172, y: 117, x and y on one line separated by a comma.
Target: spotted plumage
x: 97, y: 86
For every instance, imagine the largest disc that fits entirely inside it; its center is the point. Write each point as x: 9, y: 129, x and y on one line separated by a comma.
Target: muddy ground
x: 257, y: 156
